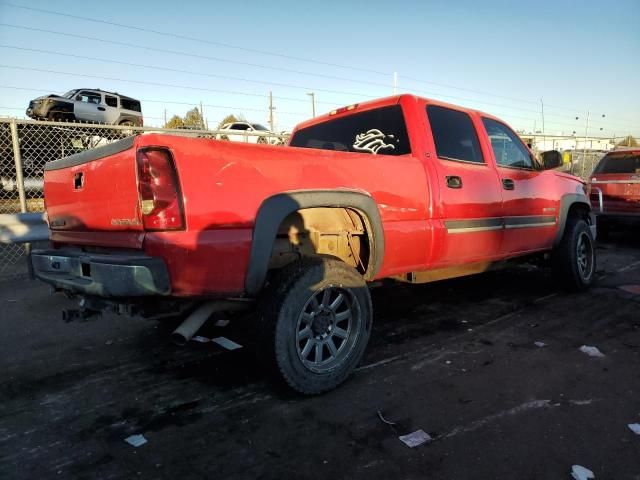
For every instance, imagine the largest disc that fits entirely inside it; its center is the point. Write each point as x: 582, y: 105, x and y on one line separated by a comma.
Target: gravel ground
x: 457, y: 359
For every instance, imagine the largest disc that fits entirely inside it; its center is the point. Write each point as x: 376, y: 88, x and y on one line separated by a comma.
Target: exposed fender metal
x: 23, y: 228
x: 275, y: 209
x: 566, y: 202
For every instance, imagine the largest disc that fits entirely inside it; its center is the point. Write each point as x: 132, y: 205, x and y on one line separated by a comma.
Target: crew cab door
x: 470, y: 198
x: 528, y: 194
x: 86, y: 106
x: 111, y: 113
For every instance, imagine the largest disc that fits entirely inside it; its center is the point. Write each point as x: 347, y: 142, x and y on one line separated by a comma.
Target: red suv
x: 614, y: 189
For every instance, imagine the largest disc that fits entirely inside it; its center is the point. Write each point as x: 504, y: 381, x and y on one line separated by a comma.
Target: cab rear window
x: 381, y: 131
x: 619, y: 163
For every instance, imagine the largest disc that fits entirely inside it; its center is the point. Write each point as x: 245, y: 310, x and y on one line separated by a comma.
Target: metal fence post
x: 18, y: 161
x: 20, y: 186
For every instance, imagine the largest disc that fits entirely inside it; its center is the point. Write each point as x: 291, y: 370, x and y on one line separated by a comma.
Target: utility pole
x: 271, y: 109
x: 584, y: 148
x: 313, y: 103
x: 165, y: 117
x: 544, y: 132
x: 395, y: 83
x: 201, y: 116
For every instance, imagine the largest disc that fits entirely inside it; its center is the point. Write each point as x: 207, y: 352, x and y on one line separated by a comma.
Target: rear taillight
x: 159, y: 190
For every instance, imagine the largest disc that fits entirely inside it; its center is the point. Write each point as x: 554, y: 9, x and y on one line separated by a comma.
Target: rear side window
x: 454, y: 135
x: 619, y: 163
x: 130, y: 104
x: 380, y: 132
x: 111, y: 101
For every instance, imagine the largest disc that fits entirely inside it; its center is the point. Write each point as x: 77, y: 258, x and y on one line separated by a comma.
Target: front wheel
x: 315, y: 322
x: 574, y: 260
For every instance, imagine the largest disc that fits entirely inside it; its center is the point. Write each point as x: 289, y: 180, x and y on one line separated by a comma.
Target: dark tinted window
x: 619, y: 163
x: 381, y: 131
x: 454, y: 134
x: 111, y: 101
x: 507, y: 146
x: 130, y: 104
x: 239, y: 126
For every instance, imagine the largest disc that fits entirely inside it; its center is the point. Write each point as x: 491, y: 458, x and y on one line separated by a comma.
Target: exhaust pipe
x: 199, y: 316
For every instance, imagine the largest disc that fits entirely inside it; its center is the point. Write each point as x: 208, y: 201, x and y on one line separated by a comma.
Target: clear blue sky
x: 495, y: 55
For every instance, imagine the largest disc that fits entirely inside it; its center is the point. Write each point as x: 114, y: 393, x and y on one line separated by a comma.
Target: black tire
x: 574, y: 260
x: 262, y: 140
x: 314, y: 323
x: 224, y: 137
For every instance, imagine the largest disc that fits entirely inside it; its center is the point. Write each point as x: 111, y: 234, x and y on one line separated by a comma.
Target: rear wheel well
x: 340, y: 232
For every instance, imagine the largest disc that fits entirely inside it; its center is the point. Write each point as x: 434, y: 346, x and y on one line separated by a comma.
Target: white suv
x: 245, y: 132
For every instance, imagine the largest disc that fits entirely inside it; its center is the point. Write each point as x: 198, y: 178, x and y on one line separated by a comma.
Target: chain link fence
x: 26, y: 145
x: 582, y: 163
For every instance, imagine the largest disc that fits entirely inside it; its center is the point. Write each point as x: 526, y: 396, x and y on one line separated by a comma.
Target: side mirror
x: 551, y: 159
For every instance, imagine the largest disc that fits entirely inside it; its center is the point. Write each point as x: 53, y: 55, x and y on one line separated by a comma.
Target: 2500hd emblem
x: 123, y: 222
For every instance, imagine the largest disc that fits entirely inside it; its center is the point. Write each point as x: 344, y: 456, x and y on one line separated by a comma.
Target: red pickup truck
x: 403, y: 187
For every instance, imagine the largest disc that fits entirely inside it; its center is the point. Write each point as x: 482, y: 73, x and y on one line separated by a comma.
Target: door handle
x: 102, y: 109
x: 508, y: 184
x: 454, y: 181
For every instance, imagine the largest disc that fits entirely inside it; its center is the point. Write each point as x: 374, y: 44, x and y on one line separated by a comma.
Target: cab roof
x: 386, y: 101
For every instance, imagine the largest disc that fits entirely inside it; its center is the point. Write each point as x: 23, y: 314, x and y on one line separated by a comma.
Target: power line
x: 193, y: 55
x: 193, y: 39
x: 176, y: 70
x: 172, y: 102
x: 262, y: 52
x: 140, y: 82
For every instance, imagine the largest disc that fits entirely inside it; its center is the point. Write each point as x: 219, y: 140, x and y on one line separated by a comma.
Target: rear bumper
x: 102, y: 275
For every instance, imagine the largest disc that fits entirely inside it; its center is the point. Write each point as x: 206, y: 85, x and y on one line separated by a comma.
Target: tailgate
x: 94, y: 190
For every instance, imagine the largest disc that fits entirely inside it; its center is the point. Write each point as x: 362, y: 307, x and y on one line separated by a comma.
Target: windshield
x: 619, y: 163
x: 70, y: 94
x: 381, y: 131
x: 257, y: 126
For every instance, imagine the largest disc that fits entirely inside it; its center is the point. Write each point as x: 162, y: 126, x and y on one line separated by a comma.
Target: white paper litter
x: 222, y: 323
x: 635, y: 428
x: 591, y: 351
x: 540, y: 344
x: 580, y: 473
x: 200, y: 339
x: 136, y: 440
x: 226, y: 343
x: 415, y: 439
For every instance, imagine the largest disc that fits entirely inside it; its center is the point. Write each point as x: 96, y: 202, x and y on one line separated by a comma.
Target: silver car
x: 87, y: 105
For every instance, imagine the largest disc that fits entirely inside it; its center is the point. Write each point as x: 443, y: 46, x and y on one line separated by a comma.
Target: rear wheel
x: 574, y: 260
x: 315, y: 321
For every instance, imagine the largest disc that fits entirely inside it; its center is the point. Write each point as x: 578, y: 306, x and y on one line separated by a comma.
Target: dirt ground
x: 456, y: 359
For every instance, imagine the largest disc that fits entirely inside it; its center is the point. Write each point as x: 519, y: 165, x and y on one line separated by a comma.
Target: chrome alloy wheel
x: 584, y: 255
x: 327, y: 328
